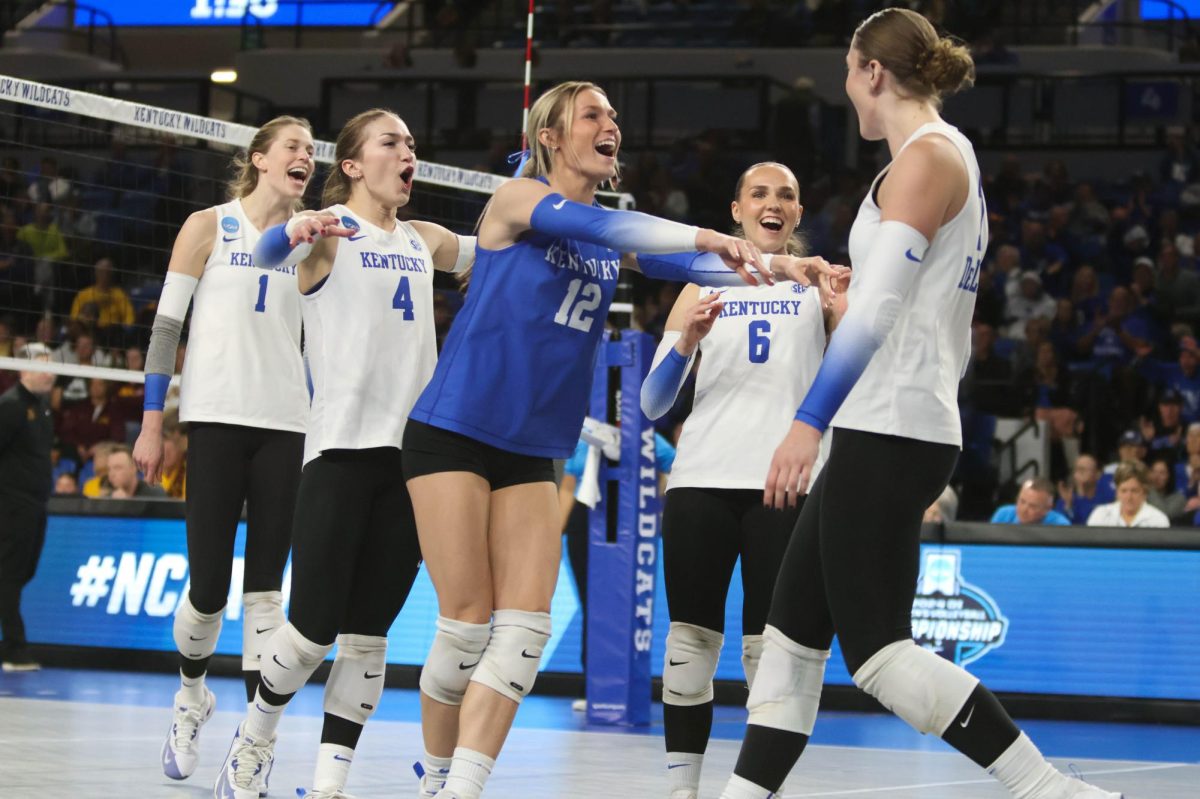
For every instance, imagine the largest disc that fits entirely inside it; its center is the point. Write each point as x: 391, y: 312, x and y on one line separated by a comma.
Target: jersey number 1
x: 589, y: 300
x: 261, y: 305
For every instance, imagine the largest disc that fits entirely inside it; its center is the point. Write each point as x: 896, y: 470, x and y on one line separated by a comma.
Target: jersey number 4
x: 573, y: 314
x: 402, y: 299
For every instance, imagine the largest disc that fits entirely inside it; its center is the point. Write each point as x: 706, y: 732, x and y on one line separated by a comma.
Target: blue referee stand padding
x: 623, y: 532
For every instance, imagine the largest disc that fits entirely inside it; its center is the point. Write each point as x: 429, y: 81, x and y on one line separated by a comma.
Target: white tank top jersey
x: 369, y: 337
x: 243, y: 363
x: 910, y: 386
x: 757, y: 363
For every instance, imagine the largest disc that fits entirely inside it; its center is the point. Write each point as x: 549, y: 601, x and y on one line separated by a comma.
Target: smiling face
x: 768, y: 206
x: 382, y: 171
x: 287, y: 164
x: 592, y: 141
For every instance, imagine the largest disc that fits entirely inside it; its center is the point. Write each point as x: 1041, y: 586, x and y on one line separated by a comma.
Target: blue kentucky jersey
x: 516, y: 369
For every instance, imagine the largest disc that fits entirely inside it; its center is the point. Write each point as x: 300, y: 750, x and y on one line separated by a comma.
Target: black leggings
x: 355, y: 553
x: 853, y: 562
x: 705, y: 530
x: 228, y: 466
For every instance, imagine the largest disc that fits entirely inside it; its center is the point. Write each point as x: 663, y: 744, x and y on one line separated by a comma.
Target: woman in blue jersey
x: 888, y: 387
x: 508, y: 395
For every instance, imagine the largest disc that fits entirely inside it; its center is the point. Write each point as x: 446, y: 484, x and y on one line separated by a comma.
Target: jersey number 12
x: 589, y: 300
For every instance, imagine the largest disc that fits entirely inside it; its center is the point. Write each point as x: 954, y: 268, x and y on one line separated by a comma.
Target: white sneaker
x: 338, y: 794
x: 181, y: 750
x: 428, y: 784
x: 685, y: 793
x: 1078, y: 789
x: 247, y: 768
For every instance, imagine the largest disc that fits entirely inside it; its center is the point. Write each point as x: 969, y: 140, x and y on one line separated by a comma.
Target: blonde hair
x: 1132, y: 470
x: 348, y: 148
x: 555, y: 109
x: 245, y: 178
x: 796, y: 245
x: 926, y: 66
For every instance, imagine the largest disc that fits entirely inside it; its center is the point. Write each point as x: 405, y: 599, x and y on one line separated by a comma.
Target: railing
x: 98, y: 32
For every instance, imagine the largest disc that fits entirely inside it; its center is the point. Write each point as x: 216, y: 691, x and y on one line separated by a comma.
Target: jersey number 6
x: 760, y: 342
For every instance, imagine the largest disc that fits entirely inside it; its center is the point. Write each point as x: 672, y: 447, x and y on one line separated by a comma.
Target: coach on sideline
x: 26, y: 434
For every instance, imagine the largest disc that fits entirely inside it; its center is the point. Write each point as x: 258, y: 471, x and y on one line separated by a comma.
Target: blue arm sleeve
x: 661, y: 386
x: 624, y: 231
x: 701, y: 268
x: 156, y: 391
x: 273, y: 247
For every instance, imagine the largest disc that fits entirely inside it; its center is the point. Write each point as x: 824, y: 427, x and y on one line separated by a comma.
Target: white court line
x: 889, y: 788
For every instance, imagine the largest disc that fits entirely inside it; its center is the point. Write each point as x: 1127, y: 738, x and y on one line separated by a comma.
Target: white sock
x: 738, y: 788
x: 191, y: 689
x: 436, y: 770
x: 683, y: 770
x: 1026, y: 773
x: 262, y: 720
x: 469, y: 770
x: 333, y: 767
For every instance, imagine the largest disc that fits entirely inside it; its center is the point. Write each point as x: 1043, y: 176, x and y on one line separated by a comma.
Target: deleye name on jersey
x: 246, y: 259
x: 559, y: 254
x: 761, y: 308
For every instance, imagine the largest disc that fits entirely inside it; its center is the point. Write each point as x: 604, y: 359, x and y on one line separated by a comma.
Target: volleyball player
x: 508, y: 395
x: 888, y: 384
x: 367, y: 295
x: 244, y: 400
x: 760, y: 349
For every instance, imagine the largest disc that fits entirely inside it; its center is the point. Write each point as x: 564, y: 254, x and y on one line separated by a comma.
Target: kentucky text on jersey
x: 245, y: 259
x: 562, y: 257
x: 392, y: 260
x: 761, y: 308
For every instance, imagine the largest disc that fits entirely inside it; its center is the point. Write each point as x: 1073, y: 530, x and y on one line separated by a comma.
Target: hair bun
x: 947, y: 67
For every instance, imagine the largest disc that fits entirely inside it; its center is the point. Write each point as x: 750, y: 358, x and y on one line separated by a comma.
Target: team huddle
x: 364, y: 461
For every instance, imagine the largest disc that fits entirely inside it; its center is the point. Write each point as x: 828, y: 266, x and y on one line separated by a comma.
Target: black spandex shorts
x: 431, y: 450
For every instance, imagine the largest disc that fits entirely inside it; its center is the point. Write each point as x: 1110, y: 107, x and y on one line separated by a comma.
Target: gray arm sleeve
x: 164, y: 342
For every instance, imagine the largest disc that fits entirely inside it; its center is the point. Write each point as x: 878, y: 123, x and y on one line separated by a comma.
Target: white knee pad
x: 752, y: 649
x: 289, y: 659
x: 690, y: 663
x: 262, y: 615
x: 787, y: 687
x: 510, y: 663
x: 456, y: 651
x: 196, y: 633
x: 356, y: 681
x: 920, y: 687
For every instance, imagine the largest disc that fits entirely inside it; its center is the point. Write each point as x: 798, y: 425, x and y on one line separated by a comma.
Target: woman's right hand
x: 698, y: 321
x: 148, y: 453
x: 738, y: 254
x: 308, y: 226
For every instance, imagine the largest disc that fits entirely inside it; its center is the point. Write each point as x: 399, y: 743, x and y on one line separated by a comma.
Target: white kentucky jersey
x: 369, y: 337
x: 910, y: 385
x: 243, y: 363
x: 756, y: 365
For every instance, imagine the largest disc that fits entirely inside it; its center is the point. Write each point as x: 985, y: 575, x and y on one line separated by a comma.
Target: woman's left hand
x: 791, y: 467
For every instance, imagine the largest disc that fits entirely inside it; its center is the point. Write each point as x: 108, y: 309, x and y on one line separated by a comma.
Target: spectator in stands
x: 85, y: 424
x: 1064, y: 330
x: 1034, y: 505
x: 43, y: 236
x: 1077, y: 500
x: 1085, y: 293
x: 944, y: 508
x: 1184, y: 377
x: 123, y: 476
x: 1030, y: 302
x: 16, y: 272
x: 1136, y: 243
x: 49, y: 187
x: 1119, y: 334
x: 1179, y: 166
x: 1131, y: 447
x: 107, y: 304
x: 988, y: 385
x: 1047, y: 259
x: 83, y: 353
x: 1141, y: 285
x: 1165, y: 434
x: 1177, y: 295
x: 1163, y: 494
x: 1130, y: 509
x: 95, y: 472
x: 174, y: 467
x: 66, y: 485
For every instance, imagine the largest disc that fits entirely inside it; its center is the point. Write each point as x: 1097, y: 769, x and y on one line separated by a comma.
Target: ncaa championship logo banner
x: 959, y: 621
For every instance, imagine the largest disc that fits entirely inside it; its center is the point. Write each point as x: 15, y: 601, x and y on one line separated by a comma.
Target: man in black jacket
x: 26, y: 435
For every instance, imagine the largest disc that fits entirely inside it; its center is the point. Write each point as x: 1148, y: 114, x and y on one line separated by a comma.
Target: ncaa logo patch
x: 350, y: 223
x: 951, y: 617
x: 230, y: 225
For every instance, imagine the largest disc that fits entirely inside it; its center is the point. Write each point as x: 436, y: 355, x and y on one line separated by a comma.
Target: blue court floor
x: 78, y: 734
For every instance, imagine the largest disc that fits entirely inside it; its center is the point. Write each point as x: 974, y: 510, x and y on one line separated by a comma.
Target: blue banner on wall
x: 188, y: 13
x: 1045, y: 620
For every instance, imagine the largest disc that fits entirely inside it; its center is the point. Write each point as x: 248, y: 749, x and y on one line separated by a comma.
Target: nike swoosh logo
x: 558, y: 205
x: 166, y: 758
x: 678, y: 662
x: 369, y: 676
x: 464, y: 666
x: 262, y: 709
x: 968, y: 718
x: 194, y: 638
x: 525, y: 654
x: 355, y: 238
x: 676, y: 765
x: 343, y: 759
x: 227, y: 238
x: 909, y: 255
x: 263, y: 630
x: 276, y: 659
